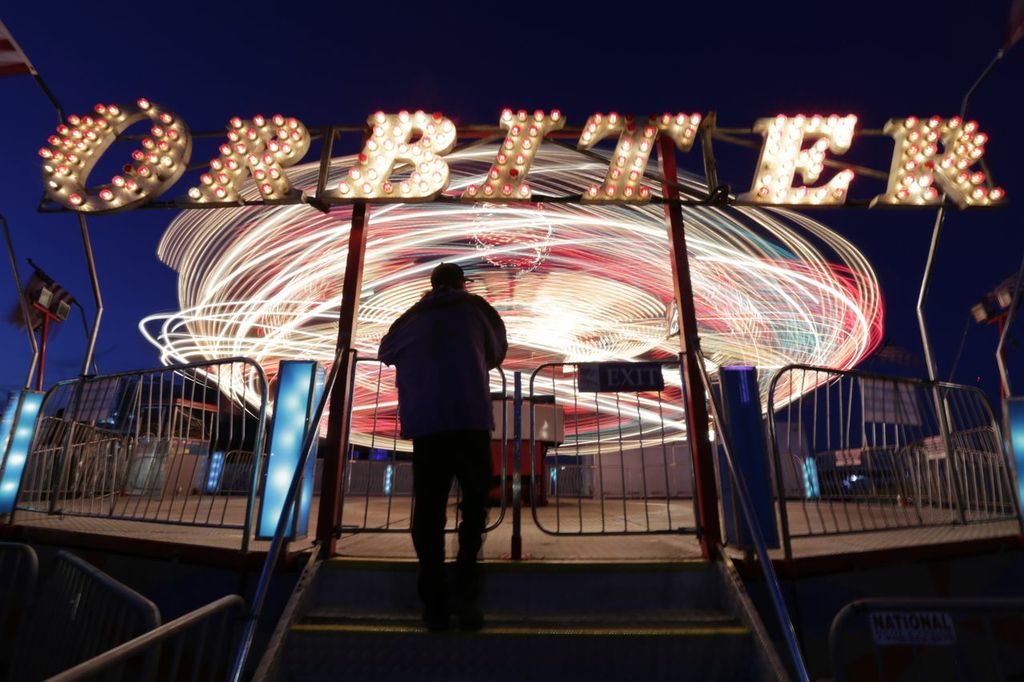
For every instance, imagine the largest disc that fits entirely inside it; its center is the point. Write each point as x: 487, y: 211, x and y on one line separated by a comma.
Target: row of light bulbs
x: 262, y: 148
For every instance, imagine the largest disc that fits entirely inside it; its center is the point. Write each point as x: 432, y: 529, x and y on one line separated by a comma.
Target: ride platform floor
x: 568, y: 530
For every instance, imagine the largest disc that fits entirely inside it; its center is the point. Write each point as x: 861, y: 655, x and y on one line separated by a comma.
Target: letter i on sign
x: 506, y: 179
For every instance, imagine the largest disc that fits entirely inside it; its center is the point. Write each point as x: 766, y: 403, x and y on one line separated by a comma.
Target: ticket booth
x: 550, y: 431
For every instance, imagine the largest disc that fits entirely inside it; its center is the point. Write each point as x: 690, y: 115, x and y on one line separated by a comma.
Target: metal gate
x: 377, y: 492
x: 607, y: 462
x: 591, y: 463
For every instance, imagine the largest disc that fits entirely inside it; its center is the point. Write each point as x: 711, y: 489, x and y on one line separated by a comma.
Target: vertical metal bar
x: 780, y: 485
x: 707, y: 132
x: 929, y: 357
x: 643, y: 464
x: 97, y: 297
x: 347, y: 475
x: 664, y: 449
x: 257, y: 449
x: 517, y: 458
x: 1004, y: 377
x: 700, y: 446
x: 576, y: 433
x: 339, y: 420
x: 622, y: 464
x: 22, y: 303
x: 599, y: 455
x: 325, y: 164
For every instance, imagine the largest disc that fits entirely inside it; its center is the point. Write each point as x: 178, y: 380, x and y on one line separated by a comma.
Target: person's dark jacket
x: 442, y: 349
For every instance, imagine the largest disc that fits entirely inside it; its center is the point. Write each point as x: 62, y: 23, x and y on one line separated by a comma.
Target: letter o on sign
x: 78, y: 145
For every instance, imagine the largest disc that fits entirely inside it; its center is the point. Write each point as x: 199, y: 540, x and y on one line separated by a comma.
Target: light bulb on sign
x: 919, y: 173
x: 390, y: 144
x: 261, y: 147
x: 78, y: 145
x: 506, y: 180
x: 629, y: 162
x: 783, y: 155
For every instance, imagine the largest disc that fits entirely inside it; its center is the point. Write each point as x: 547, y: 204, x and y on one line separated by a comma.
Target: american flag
x: 12, y: 60
x: 58, y: 302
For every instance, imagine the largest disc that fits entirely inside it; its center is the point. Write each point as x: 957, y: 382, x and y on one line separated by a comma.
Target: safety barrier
x: 79, y: 613
x: 928, y: 639
x: 856, y: 452
x: 609, y: 462
x: 376, y: 493
x: 180, y: 444
x: 198, y: 646
x: 19, y: 570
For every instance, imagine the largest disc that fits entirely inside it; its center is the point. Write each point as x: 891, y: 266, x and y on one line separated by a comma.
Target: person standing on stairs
x: 443, y: 348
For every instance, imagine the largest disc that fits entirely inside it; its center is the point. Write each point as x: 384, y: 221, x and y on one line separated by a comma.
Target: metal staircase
x: 358, y: 619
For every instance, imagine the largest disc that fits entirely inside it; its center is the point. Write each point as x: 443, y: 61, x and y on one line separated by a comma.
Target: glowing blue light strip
x: 1013, y: 409
x: 16, y: 431
x: 299, y: 384
x: 214, y: 472
x: 812, y: 487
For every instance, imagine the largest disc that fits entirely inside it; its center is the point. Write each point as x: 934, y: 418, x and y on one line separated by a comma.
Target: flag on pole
x: 12, y: 60
x: 41, y: 290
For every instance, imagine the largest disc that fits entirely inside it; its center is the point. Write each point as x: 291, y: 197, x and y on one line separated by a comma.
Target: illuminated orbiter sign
x: 932, y: 157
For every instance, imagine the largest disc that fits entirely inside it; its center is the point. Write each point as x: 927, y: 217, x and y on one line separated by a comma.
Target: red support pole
x: 696, y: 410
x: 338, y: 419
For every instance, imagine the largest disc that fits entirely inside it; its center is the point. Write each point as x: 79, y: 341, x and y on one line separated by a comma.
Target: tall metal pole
x: 43, y: 338
x: 941, y: 409
x: 926, y: 280
x: 1004, y: 376
x: 338, y: 419
x: 929, y: 356
x: 696, y: 408
x: 97, y: 297
x: 25, y: 316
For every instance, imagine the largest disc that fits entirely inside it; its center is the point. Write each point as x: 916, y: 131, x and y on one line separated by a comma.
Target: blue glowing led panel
x: 299, y: 385
x: 16, y: 431
x: 1014, y: 411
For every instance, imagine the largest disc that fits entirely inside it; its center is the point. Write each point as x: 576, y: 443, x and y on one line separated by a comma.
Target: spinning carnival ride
x: 574, y: 283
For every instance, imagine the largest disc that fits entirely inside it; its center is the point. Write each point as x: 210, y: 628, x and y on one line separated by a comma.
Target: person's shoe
x: 437, y: 619
x: 471, y: 617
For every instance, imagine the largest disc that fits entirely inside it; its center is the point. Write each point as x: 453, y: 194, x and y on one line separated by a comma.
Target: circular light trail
x: 573, y: 283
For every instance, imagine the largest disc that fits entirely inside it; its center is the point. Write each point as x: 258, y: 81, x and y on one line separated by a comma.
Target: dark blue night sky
x: 211, y: 61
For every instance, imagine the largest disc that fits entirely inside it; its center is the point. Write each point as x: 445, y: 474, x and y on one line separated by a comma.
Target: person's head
x: 448, y: 275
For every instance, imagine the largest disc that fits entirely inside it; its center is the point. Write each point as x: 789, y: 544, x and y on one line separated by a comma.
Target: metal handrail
x: 277, y: 543
x: 771, y: 579
x: 153, y: 638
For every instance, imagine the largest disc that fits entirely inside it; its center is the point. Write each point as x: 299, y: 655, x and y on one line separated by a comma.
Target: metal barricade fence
x: 928, y: 639
x: 607, y: 463
x: 80, y: 613
x: 376, y: 492
x: 198, y: 646
x: 857, y: 452
x: 180, y: 444
x: 19, y: 570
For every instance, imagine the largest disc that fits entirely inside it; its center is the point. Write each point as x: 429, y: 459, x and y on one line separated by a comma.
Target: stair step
x: 390, y: 651
x: 531, y: 587
x: 689, y: 623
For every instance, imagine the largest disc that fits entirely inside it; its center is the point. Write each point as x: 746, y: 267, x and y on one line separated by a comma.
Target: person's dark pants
x: 436, y: 459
